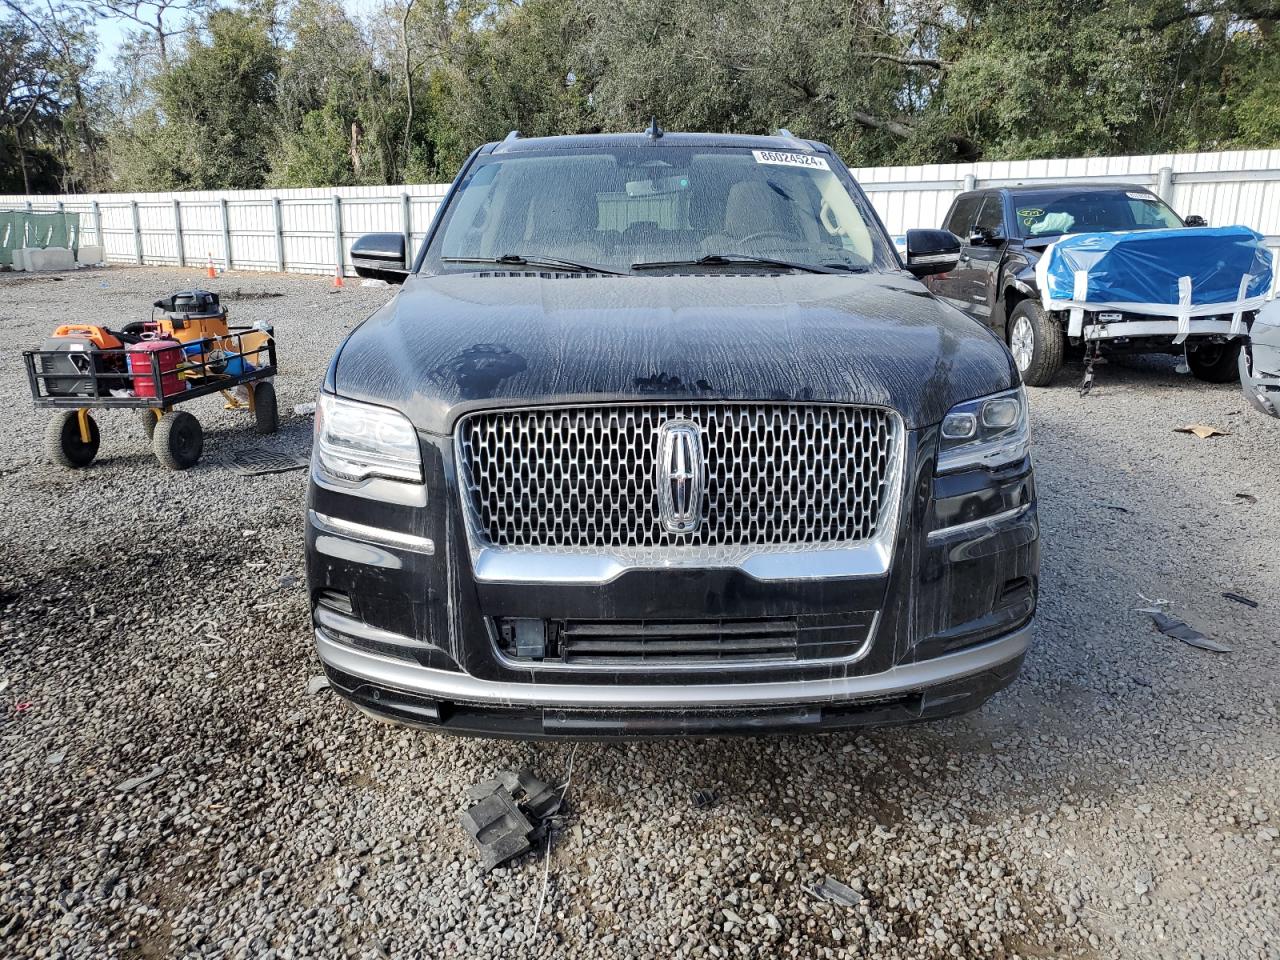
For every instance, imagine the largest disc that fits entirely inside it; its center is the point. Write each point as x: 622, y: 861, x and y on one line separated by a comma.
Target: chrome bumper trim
x: 982, y: 523
x: 871, y: 559
x: 337, y: 623
x: 359, y: 531
x: 445, y: 685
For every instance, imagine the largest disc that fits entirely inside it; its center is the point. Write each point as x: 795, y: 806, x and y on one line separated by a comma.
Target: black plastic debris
x: 256, y: 461
x: 509, y: 814
x: 498, y: 826
x: 833, y: 891
x: 1173, y: 627
x: 704, y: 799
x: 1248, y: 498
x: 1239, y: 598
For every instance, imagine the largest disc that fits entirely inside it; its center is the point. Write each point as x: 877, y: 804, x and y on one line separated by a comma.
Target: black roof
x: 518, y: 144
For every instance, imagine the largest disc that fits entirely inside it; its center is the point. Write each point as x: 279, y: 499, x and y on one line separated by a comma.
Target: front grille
x: 606, y: 643
x: 775, y: 475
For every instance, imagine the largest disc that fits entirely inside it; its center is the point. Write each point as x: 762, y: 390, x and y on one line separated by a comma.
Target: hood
x: 447, y: 345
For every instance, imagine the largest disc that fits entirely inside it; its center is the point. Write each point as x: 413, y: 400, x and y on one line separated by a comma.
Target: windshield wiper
x: 744, y: 259
x: 516, y: 260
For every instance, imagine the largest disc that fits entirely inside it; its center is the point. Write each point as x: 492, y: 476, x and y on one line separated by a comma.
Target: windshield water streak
x: 659, y: 208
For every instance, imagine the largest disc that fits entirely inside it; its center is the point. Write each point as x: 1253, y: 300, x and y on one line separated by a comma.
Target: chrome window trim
x: 862, y: 559
x: 462, y: 687
x: 650, y: 667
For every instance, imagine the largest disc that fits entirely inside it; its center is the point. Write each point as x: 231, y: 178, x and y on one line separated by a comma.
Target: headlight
x: 987, y: 432
x: 356, y: 441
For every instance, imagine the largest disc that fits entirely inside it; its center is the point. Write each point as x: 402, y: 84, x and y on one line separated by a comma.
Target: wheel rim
x: 184, y: 441
x: 1022, y: 342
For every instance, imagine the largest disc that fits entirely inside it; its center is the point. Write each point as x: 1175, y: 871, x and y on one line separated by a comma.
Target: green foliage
x: 212, y: 123
x: 303, y: 93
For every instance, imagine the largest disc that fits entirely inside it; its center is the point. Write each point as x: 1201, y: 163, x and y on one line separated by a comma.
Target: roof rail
x: 786, y: 134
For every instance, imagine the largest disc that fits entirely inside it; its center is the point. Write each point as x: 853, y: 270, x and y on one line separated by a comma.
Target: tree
x: 46, y: 52
x: 340, y: 120
x: 212, y: 125
x: 160, y: 19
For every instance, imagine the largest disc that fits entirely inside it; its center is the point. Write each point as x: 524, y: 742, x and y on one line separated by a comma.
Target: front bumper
x: 406, y: 629
x: 1260, y: 369
x: 1160, y: 327
x: 446, y: 700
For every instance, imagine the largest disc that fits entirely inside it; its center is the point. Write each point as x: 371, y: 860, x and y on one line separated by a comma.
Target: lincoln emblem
x: 681, y: 477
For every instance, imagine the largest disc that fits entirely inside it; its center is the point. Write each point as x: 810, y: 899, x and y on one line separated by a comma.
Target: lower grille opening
x: 611, y: 643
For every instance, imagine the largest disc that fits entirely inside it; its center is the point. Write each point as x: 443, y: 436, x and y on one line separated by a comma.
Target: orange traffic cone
x: 337, y: 277
x: 210, y: 272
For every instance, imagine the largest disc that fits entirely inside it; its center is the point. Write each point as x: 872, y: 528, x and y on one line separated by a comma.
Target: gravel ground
x: 1122, y: 799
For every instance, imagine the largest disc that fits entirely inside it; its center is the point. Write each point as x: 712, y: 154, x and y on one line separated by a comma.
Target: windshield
x: 1090, y: 211
x: 660, y: 207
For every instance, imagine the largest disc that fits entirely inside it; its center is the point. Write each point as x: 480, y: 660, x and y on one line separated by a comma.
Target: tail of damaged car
x: 661, y: 437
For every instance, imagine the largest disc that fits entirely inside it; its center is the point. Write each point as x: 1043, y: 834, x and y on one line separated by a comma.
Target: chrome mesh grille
x: 584, y: 479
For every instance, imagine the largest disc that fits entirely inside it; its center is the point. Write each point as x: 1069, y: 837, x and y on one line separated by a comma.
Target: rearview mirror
x: 1195, y: 220
x: 932, y: 251
x: 380, y: 256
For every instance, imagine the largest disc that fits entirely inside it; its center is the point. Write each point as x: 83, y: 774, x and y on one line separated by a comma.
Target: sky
x: 113, y: 31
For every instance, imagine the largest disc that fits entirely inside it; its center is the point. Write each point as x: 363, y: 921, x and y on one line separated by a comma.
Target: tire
x: 1215, y: 362
x: 178, y: 440
x: 264, y: 407
x: 62, y: 443
x: 147, y: 422
x: 1037, y: 342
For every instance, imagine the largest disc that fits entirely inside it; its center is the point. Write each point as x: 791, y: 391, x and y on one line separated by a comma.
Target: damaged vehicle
x: 1260, y: 361
x: 660, y: 436
x: 1053, y: 267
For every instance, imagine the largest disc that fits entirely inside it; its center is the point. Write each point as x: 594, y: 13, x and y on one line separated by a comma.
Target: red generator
x: 167, y: 354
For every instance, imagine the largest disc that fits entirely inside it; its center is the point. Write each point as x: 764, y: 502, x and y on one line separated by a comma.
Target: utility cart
x: 152, y: 367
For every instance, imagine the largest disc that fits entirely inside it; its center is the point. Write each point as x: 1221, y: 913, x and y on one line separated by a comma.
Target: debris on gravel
x: 1121, y: 799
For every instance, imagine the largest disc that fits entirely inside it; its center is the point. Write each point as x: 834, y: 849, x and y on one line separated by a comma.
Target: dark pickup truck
x: 1003, y: 233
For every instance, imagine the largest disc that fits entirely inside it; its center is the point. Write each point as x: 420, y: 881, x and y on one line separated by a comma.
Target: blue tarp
x: 1143, y: 270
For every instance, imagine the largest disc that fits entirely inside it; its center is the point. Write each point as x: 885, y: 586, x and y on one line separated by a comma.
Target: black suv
x: 660, y: 436
x: 1003, y: 233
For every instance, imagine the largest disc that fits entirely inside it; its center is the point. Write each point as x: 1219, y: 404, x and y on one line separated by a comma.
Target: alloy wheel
x: 1022, y: 342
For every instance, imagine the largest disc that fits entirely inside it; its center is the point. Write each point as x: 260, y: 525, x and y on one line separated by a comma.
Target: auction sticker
x: 790, y: 159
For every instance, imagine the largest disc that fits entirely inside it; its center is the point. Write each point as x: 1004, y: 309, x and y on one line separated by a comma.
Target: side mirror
x: 932, y: 251
x: 1195, y: 220
x: 380, y: 256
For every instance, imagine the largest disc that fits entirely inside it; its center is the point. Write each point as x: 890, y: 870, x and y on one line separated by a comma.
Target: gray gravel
x: 173, y: 790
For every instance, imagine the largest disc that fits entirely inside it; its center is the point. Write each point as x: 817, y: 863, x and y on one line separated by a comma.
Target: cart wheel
x: 147, y: 421
x: 264, y: 407
x: 178, y: 440
x: 63, y: 444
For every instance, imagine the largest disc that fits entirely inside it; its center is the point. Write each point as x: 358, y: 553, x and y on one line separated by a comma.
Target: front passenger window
x: 990, y: 221
x: 962, y: 217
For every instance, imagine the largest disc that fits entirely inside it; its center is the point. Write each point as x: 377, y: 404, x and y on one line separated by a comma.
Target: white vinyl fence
x: 310, y: 231
x: 294, y: 231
